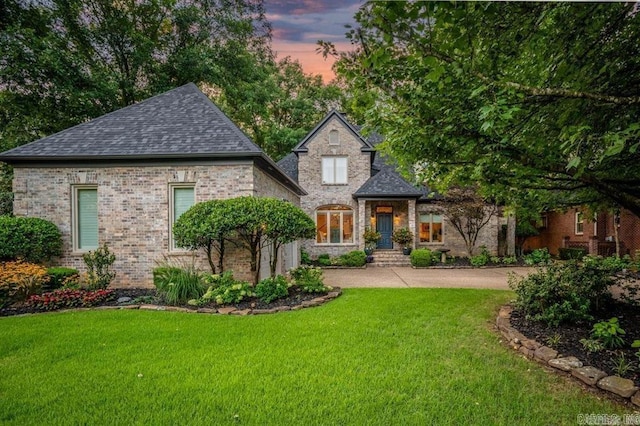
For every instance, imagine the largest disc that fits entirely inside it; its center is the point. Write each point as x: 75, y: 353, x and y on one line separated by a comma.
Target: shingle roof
x: 289, y: 165
x: 387, y: 183
x: 175, y: 124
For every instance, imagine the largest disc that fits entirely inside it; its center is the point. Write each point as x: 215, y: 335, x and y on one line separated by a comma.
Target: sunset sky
x: 298, y: 25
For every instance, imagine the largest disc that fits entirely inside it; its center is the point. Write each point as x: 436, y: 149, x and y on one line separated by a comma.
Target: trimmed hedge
x: 57, y: 277
x: 421, y: 257
x: 353, y: 258
x: 29, y: 238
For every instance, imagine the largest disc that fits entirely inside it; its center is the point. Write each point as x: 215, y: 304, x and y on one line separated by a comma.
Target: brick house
x: 577, y: 228
x: 350, y: 187
x: 124, y: 178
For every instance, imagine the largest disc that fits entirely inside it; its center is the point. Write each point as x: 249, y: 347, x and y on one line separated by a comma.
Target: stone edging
x: 593, y: 377
x: 230, y: 310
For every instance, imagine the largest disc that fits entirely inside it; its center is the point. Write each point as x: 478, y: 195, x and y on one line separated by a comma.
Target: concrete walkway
x: 404, y: 277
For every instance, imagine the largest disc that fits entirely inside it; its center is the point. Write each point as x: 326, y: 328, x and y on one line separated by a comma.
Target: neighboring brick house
x: 577, y: 228
x: 350, y: 187
x: 123, y: 179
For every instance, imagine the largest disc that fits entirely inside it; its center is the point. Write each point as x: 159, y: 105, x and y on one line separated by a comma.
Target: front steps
x: 389, y: 258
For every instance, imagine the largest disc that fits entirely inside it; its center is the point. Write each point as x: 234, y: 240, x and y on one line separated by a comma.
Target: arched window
x: 334, y: 137
x: 334, y: 224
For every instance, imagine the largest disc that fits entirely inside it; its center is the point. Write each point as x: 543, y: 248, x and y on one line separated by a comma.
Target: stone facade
x: 406, y: 211
x: 133, y: 208
x: 320, y: 194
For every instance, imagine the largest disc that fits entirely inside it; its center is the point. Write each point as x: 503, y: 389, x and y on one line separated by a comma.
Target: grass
x: 373, y: 356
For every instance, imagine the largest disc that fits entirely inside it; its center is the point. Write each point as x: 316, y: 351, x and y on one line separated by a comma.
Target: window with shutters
x: 182, y: 197
x: 85, y: 218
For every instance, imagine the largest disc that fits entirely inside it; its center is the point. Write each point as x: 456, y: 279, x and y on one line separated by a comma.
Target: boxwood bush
x: 353, y: 258
x: 421, y: 257
x: 31, y: 239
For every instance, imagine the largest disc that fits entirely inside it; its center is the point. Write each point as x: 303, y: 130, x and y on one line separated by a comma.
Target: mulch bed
x: 149, y: 296
x: 570, y: 335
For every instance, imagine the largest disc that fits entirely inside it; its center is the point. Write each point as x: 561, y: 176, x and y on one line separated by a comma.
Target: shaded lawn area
x: 374, y: 356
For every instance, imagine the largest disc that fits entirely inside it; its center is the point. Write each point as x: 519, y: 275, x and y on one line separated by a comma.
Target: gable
x: 333, y: 121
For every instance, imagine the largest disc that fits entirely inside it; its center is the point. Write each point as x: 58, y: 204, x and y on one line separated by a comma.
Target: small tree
x: 284, y: 223
x: 468, y: 213
x: 204, y: 226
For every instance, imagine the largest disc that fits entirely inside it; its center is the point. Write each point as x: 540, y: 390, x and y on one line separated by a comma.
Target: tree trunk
x: 274, y: 259
x: 221, y: 255
x: 209, y: 251
x: 616, y: 235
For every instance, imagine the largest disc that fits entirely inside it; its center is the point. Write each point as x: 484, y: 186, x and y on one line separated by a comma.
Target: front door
x: 384, y: 225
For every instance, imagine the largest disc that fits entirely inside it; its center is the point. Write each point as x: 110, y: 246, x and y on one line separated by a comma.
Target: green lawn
x: 373, y: 356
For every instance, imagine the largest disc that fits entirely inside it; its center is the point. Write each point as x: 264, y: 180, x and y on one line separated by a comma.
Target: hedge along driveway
x: 374, y: 356
x: 403, y: 277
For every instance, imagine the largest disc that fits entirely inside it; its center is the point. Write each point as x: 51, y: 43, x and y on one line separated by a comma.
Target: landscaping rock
x: 618, y: 385
x: 526, y: 351
x: 124, y: 300
x: 263, y: 311
x: 565, y: 364
x: 318, y: 300
x: 589, y: 375
x: 531, y: 344
x: 297, y: 307
x: 206, y: 311
x: 310, y: 303
x: 545, y: 353
x: 503, y: 324
x: 505, y: 312
x: 153, y: 307
x: 242, y: 312
x: 129, y: 307
x: 333, y: 294
x: 283, y: 308
x: 635, y: 399
x: 227, y: 310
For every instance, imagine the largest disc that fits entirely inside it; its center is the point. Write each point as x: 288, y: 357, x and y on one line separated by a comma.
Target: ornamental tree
x: 203, y: 227
x: 534, y: 101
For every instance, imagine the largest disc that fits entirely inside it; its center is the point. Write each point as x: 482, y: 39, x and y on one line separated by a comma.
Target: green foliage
x: 305, y: 259
x: 592, y: 345
x: 539, y: 256
x: 324, y: 259
x: 609, y: 333
x: 309, y: 279
x: 563, y: 292
x: 354, y: 258
x: 622, y: 366
x: 29, y: 238
x: 224, y: 289
x: 371, y: 237
x: 99, y: 262
x: 528, y: 106
x: 554, y: 340
x: 616, y: 264
x: 509, y: 260
x: 58, y: 275
x: 402, y: 236
x: 421, y: 257
x: 568, y: 253
x: 271, y: 289
x: 636, y: 344
x: 178, y: 285
x: 481, y: 259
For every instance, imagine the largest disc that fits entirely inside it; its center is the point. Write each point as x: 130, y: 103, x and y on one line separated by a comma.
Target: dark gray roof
x: 289, y: 165
x: 387, y: 183
x: 179, y: 123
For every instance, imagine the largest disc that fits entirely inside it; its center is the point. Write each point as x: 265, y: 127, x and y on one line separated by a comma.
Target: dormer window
x: 334, y: 170
x: 334, y: 137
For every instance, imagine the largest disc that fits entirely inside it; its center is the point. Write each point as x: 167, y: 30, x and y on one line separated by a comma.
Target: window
x: 579, y: 223
x: 334, y: 170
x: 85, y: 218
x: 334, y: 137
x: 334, y: 225
x: 182, y: 197
x: 430, y: 228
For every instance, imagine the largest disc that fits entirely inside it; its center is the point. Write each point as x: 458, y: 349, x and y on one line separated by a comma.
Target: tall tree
x: 537, y: 102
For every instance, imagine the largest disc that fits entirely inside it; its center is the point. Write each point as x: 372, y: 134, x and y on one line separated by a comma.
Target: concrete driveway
x: 404, y: 277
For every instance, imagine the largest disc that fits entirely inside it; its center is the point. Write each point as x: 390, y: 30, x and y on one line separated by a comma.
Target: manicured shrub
x: 421, y: 257
x: 178, y: 285
x: 30, y: 239
x: 69, y: 298
x: 271, y: 289
x: 18, y: 280
x: 305, y: 259
x: 58, y: 275
x: 568, y: 253
x: 353, y: 258
x: 224, y: 289
x: 99, y: 262
x: 538, y: 257
x: 560, y: 293
x: 324, y: 260
x: 509, y: 260
x: 309, y: 279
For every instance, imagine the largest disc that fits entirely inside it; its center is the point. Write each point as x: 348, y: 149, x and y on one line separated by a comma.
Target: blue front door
x: 384, y: 225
